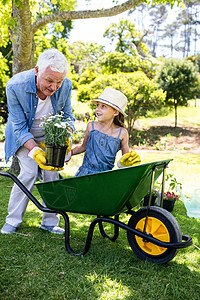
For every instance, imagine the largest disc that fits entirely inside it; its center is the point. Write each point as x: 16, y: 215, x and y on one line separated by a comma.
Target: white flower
x: 58, y: 125
x: 56, y: 129
x: 63, y: 124
x: 50, y: 119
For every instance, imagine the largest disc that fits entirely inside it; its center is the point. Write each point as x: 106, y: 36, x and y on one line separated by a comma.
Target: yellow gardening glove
x: 69, y: 151
x: 129, y: 159
x: 42, y: 145
x: 40, y: 157
x: 68, y: 143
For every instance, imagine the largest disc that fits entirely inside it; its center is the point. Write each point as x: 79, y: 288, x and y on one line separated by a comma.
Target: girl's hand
x: 129, y: 159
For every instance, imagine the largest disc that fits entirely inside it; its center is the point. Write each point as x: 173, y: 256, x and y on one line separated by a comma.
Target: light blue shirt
x: 22, y: 102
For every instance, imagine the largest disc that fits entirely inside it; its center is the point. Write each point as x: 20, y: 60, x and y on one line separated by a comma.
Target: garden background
x: 163, y: 123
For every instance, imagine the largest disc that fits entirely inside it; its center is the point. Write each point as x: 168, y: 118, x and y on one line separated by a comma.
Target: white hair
x: 54, y: 59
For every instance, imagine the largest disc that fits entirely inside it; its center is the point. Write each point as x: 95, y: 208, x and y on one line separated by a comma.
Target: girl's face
x: 105, y: 112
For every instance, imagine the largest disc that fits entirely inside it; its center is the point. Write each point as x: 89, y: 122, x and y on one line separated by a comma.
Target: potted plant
x: 155, y: 194
x: 57, y: 132
x: 169, y: 200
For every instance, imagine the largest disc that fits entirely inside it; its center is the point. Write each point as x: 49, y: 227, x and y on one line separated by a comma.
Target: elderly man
x: 30, y: 95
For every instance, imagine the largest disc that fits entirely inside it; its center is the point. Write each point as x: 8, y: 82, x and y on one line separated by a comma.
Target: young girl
x: 106, y: 136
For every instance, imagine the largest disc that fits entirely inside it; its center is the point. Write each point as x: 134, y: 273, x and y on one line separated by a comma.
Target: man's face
x: 48, y: 82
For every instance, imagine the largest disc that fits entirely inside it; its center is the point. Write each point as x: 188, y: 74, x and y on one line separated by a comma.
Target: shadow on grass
x: 153, y: 135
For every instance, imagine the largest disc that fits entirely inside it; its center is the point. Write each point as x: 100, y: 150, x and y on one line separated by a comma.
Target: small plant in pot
x: 155, y: 194
x: 57, y: 132
x: 169, y: 200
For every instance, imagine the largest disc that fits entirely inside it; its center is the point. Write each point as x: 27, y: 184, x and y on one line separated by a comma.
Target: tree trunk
x: 23, y: 55
x: 175, y: 106
x: 23, y: 51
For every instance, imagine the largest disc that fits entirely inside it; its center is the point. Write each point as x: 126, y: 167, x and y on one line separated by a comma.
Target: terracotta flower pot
x: 55, y: 155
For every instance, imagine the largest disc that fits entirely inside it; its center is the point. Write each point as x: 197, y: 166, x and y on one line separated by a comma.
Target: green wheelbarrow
x: 153, y: 233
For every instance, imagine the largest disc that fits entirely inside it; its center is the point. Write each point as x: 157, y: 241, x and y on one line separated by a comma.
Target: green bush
x: 143, y: 94
x: 180, y: 80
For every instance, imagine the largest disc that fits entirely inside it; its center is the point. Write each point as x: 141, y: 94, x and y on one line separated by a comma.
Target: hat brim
x: 110, y: 104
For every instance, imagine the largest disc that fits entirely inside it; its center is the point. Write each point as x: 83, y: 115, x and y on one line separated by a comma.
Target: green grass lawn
x: 186, y: 115
x: 35, y: 265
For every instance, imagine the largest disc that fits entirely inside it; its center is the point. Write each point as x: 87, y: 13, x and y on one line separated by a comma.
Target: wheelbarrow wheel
x: 161, y: 225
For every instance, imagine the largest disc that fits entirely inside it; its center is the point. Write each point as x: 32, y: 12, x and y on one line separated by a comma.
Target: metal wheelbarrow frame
x: 153, y: 233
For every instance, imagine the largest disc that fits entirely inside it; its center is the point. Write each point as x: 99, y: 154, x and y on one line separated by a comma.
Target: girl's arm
x: 128, y: 158
x: 124, y: 141
x: 81, y: 148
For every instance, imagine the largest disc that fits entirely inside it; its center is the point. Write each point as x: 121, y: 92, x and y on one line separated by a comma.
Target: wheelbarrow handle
x: 27, y: 192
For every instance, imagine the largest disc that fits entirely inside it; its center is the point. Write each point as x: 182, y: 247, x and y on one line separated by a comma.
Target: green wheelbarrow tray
x: 107, y: 193
x: 153, y: 233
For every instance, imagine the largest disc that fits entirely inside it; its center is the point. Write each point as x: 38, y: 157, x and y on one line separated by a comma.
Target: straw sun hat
x: 113, y: 98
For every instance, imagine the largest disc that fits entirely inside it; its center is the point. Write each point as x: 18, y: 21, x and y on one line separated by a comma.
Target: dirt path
x: 166, y: 137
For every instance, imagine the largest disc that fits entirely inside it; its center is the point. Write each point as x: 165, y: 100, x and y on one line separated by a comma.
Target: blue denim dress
x: 100, y: 152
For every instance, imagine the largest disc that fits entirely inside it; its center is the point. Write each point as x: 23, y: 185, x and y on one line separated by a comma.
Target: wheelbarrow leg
x: 67, y: 236
x: 116, y: 230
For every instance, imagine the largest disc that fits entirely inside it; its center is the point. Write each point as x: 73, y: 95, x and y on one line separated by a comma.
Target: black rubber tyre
x: 161, y: 225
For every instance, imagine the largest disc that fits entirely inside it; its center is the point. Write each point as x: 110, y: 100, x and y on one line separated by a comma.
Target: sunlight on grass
x: 108, y: 288
x: 114, y: 290
x: 194, y: 259
x: 184, y: 112
x: 169, y: 116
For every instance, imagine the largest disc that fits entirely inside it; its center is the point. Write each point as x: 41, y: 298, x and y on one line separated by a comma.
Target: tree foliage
x: 113, y: 62
x: 20, y: 20
x: 179, y: 78
x: 142, y: 93
x: 83, y: 55
x: 125, y: 35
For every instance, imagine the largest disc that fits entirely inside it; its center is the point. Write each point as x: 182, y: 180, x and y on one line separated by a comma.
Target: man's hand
x: 40, y: 157
x: 129, y: 159
x: 42, y: 145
